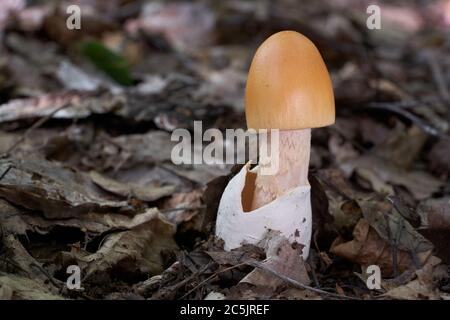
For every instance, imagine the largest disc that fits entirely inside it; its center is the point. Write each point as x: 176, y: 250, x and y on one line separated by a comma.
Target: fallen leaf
x: 420, y: 288
x: 139, y: 250
x: 14, y: 287
x: 79, y: 105
x: 368, y: 248
x: 383, y: 175
x: 435, y: 213
x: 145, y: 193
x: 56, y: 191
x: 435, y: 224
x: 439, y: 157
x: 281, y: 257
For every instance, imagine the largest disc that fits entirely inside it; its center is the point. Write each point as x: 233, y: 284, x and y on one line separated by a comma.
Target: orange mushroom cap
x: 288, y: 85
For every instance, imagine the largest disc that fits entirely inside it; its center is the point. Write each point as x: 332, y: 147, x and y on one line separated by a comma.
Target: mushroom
x: 289, y: 89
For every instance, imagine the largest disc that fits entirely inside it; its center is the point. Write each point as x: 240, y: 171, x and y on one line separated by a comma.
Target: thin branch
x: 212, y: 277
x: 438, y: 76
x: 297, y: 284
x: 36, y: 125
x: 408, y: 115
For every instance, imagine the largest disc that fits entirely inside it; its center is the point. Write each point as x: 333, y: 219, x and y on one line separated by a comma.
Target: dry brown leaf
x: 420, y: 288
x: 439, y: 157
x: 79, y: 105
x: 56, y: 191
x: 13, y: 287
x: 368, y: 248
x: 435, y: 213
x: 383, y: 175
x: 183, y: 207
x: 139, y: 250
x: 281, y: 257
x: 435, y: 220
x: 145, y: 193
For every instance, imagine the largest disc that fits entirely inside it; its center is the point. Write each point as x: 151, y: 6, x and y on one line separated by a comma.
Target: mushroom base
x: 289, y: 214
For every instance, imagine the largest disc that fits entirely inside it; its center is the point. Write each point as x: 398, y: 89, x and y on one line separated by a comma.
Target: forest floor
x: 87, y: 181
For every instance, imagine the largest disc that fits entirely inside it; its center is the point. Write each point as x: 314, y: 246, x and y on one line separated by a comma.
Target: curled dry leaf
x: 140, y: 250
x: 56, y: 191
x: 345, y: 211
x: 20, y: 221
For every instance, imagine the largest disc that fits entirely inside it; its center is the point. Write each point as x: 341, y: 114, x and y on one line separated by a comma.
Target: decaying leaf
x: 369, y: 248
x: 391, y: 226
x: 383, y: 237
x: 26, y: 277
x: 435, y: 220
x: 141, y: 250
x: 79, y: 105
x: 56, y: 191
x: 87, y: 176
x: 14, y: 287
x: 144, y: 193
x: 281, y: 257
x: 183, y: 207
x: 435, y: 213
x: 420, y: 288
x: 383, y: 175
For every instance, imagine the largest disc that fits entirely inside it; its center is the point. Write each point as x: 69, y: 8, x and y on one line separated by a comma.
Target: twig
x: 55, y: 282
x: 408, y: 115
x: 212, y: 277
x: 295, y: 283
x: 430, y: 101
x: 182, y: 209
x: 438, y: 77
x: 36, y: 125
x: 5, y: 172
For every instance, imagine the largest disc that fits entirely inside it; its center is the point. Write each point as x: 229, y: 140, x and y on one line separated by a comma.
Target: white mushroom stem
x: 293, y: 159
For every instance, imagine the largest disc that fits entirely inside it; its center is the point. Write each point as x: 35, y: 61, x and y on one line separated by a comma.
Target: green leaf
x: 111, y: 63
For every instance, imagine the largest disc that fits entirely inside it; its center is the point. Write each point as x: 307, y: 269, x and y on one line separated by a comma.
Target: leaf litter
x: 86, y: 176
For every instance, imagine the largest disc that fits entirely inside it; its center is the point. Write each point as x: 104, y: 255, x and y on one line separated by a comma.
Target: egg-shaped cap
x: 288, y: 85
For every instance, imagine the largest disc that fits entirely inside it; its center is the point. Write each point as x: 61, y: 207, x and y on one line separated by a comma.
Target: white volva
x: 290, y: 214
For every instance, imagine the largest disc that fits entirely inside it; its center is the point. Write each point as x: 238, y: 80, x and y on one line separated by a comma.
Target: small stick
x: 36, y: 125
x: 413, y: 118
x: 212, y: 277
x: 182, y: 209
x: 438, y: 77
x: 297, y: 284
